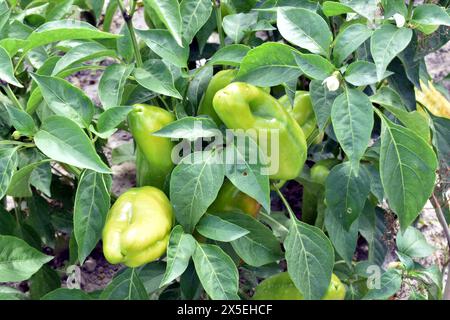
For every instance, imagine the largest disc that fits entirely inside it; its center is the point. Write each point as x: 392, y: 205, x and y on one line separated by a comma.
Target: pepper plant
x: 341, y: 88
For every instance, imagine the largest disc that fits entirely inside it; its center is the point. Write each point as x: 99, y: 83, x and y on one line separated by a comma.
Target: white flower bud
x: 399, y: 20
x: 332, y: 82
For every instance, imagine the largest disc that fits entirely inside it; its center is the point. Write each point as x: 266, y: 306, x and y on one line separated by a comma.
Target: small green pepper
x: 154, y: 154
x: 244, y: 106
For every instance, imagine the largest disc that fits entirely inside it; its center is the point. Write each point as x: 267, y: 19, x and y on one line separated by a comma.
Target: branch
x: 443, y: 222
x: 128, y: 17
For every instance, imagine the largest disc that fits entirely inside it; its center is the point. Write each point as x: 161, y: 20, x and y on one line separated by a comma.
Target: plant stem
x: 443, y: 222
x: 286, y: 204
x: 13, y: 97
x: 20, y: 143
x: 133, y: 8
x: 410, y: 9
x: 164, y: 103
x: 219, y: 22
x: 71, y: 169
x: 272, y: 220
x: 129, y: 21
x: 17, y: 211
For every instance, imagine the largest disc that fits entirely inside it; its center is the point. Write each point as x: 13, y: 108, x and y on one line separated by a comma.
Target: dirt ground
x: 96, y: 273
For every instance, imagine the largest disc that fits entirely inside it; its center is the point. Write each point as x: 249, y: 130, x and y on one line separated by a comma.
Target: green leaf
x: 83, y: 52
x: 151, y: 275
x: 190, y: 286
x: 413, y: 243
x: 414, y: 120
x: 164, y: 45
x: 156, y: 76
x: 59, y: 10
x: 123, y: 153
x: 376, y: 188
x: 65, y: 99
x: 125, y: 44
x: 205, y: 32
x: 194, y: 185
x: 269, y: 64
x: 314, y: 66
x: 410, y: 61
x: 8, y: 293
x: 390, y: 283
x: 352, y: 118
x: 22, y: 121
x: 343, y: 239
x: 66, y: 294
x: 347, y: 188
x: 217, y: 272
x: 63, y: 140
x: 169, y: 13
x: 247, y: 176
x: 392, y: 7
x: 92, y: 202
x: 194, y: 14
x: 387, y: 96
x: 97, y: 7
x: 310, y: 259
x: 231, y: 55
x: 7, y: 223
x: 112, y: 84
x: 322, y: 101
x: 20, y: 182
x: 43, y: 282
x: 365, y: 8
x: 430, y: 14
x: 6, y: 69
x: 179, y: 251
x: 39, y: 218
x: 401, y: 84
x: 8, y: 164
x: 125, y: 286
x: 4, y: 14
x: 386, y: 43
x: 236, y: 26
x: 441, y: 132
x: 12, y: 46
x: 41, y: 177
x: 18, y: 260
x: 215, y: 228
x: 198, y: 85
x: 332, y: 8
x: 305, y: 29
x: 112, y: 117
x: 348, y: 40
x: 363, y: 73
x: 259, y: 246
x: 55, y: 31
x: 190, y: 128
x: 372, y: 227
x: 407, y: 169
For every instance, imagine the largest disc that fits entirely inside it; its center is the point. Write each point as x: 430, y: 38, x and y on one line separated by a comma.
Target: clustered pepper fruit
x: 244, y: 106
x: 319, y: 173
x: 137, y: 227
x: 231, y: 199
x: 302, y: 112
x: 281, y: 287
x: 153, y: 154
x: 220, y: 80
